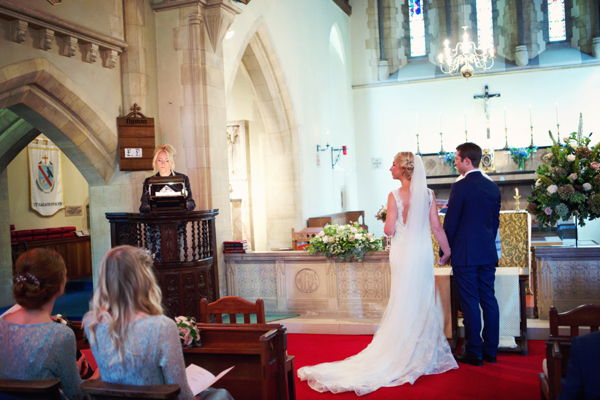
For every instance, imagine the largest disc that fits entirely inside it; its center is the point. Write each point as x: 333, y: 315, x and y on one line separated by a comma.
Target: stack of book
x: 236, y: 246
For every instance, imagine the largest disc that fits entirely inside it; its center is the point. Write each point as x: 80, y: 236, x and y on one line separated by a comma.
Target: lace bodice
x: 400, y: 223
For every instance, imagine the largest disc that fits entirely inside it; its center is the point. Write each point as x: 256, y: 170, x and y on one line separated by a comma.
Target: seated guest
x: 164, y: 163
x: 583, y: 375
x: 132, y: 341
x: 32, y: 346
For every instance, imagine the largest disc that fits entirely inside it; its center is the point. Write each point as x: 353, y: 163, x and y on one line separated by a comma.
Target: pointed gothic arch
x: 41, y: 94
x: 260, y: 64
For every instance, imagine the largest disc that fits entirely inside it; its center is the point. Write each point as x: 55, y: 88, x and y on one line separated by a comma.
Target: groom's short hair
x: 471, y: 151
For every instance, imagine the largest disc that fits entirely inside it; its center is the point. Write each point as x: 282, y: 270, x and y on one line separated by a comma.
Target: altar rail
x: 183, y: 246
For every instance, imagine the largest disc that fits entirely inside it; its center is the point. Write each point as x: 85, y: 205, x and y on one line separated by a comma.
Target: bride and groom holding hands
x: 410, y: 340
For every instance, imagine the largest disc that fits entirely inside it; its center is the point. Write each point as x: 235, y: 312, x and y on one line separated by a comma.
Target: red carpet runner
x: 513, y: 377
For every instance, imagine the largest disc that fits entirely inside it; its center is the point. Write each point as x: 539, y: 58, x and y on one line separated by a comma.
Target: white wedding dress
x: 410, y: 341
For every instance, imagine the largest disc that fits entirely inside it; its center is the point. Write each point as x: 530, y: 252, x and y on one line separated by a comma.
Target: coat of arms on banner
x: 45, y: 180
x: 45, y: 177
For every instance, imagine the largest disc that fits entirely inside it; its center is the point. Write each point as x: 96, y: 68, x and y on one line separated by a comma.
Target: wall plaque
x: 136, y: 141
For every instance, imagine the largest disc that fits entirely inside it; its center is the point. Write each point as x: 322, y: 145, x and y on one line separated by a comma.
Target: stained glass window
x: 416, y: 24
x: 556, y: 20
x: 485, y: 25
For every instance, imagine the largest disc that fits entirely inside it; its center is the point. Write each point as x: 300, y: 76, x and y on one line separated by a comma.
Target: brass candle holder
x: 517, y: 203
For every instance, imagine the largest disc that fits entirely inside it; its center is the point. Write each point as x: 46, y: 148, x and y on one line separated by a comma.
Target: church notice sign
x: 45, y: 176
x: 136, y: 141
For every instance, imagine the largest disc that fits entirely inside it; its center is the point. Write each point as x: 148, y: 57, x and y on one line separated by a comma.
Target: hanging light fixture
x: 465, y: 57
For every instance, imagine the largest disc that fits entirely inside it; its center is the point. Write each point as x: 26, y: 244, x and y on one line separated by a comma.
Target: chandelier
x: 465, y: 57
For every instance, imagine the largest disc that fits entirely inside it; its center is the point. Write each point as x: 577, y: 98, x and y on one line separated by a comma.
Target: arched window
x: 557, y: 29
x: 416, y: 25
x: 485, y: 25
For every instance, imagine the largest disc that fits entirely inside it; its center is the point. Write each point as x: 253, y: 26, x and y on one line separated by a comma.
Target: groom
x: 471, y: 224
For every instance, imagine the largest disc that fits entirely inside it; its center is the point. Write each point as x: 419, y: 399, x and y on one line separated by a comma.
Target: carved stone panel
x: 361, y: 280
x: 258, y: 280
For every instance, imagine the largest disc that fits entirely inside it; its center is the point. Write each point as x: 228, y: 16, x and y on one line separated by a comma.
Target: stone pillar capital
x: 218, y: 17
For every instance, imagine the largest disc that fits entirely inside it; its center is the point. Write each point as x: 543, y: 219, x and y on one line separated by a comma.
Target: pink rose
x: 573, y: 176
x: 595, y: 165
x: 548, y: 211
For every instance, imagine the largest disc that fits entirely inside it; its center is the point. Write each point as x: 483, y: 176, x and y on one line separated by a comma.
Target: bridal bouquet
x: 346, y: 242
x: 188, y: 331
x: 381, y: 214
x: 568, y: 182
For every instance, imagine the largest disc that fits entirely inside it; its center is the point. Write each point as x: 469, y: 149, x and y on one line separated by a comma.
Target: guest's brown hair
x: 39, y: 275
x: 471, y: 151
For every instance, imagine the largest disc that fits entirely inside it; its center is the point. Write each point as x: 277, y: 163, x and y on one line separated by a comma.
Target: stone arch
x: 258, y: 60
x: 45, y: 97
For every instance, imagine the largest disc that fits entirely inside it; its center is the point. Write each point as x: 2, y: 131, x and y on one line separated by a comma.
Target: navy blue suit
x: 583, y: 374
x: 471, y: 224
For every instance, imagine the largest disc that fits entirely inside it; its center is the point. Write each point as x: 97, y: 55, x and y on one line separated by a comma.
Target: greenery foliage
x: 346, y: 242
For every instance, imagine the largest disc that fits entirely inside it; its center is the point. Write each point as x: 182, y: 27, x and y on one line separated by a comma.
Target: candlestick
x: 530, y: 117
x: 517, y: 203
x: 531, y: 145
x: 505, y: 138
x: 418, y: 150
x: 327, y: 137
x: 466, y: 136
x: 504, y: 117
x: 516, y: 191
x: 441, y: 122
x: 466, y: 121
x: 557, y: 118
x: 417, y: 123
x: 442, y: 152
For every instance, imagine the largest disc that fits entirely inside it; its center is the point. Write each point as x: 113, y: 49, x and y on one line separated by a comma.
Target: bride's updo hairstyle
x: 39, y: 275
x: 406, y: 161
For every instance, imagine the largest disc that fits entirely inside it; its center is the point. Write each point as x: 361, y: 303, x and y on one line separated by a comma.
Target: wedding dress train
x: 410, y: 341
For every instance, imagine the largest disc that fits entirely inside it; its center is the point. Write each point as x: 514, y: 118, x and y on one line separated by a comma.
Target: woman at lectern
x: 164, y: 163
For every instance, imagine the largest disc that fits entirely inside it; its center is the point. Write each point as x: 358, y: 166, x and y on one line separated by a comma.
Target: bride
x: 410, y: 339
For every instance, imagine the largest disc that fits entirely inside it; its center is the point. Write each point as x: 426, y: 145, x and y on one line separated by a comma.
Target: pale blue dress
x: 40, y: 351
x: 153, y: 357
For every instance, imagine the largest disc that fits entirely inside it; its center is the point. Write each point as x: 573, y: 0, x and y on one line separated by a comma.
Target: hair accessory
x: 27, y: 277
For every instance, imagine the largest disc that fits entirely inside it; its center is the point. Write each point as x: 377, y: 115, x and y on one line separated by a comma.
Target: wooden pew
x: 339, y: 218
x: 257, y: 351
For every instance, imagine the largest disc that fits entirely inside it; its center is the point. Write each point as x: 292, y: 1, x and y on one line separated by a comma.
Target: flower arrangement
x: 520, y: 155
x: 346, y: 242
x: 568, y: 182
x: 381, y: 214
x: 188, y: 331
x: 449, y: 160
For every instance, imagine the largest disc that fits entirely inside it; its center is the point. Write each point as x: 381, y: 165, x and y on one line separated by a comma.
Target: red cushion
x: 67, y: 234
x: 54, y: 235
x: 40, y: 237
x: 13, y: 240
x: 55, y: 230
x: 13, y: 234
x: 25, y: 232
x: 25, y: 238
x: 68, y: 229
x: 12, y: 227
x: 39, y: 231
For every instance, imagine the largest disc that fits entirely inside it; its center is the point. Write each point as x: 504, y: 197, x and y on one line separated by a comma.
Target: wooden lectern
x: 183, y: 245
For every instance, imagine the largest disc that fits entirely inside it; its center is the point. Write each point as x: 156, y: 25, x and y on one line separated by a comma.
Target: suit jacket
x: 583, y: 373
x: 145, y: 205
x: 472, y: 220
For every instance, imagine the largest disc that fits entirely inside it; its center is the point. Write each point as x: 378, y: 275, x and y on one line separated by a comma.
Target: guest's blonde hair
x: 126, y: 285
x: 406, y: 160
x: 171, y: 153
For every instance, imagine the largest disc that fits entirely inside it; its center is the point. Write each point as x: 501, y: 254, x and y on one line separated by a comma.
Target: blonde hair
x: 406, y: 160
x: 171, y: 153
x: 126, y: 285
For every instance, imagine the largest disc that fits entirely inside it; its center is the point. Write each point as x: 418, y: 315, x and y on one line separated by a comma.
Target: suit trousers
x: 475, y: 284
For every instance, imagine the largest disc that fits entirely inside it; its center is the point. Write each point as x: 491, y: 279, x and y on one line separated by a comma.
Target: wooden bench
x: 339, y: 218
x: 257, y: 351
x: 43, y: 389
x: 99, y: 390
x: 301, y: 239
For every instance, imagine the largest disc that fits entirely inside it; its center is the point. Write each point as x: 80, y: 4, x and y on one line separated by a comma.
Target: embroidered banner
x: 45, y: 175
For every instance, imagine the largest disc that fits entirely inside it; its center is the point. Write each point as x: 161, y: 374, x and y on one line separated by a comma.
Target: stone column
x: 133, y: 61
x: 198, y: 37
x: 5, y: 248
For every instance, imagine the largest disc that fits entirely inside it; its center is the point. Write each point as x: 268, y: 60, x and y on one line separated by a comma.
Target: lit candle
x: 504, y: 117
x: 327, y: 137
x: 557, y: 114
x: 516, y: 191
x: 441, y: 130
x: 530, y: 117
x: 417, y: 123
x: 466, y: 120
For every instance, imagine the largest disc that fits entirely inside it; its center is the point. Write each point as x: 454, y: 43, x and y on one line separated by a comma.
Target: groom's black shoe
x: 489, y: 359
x: 469, y: 358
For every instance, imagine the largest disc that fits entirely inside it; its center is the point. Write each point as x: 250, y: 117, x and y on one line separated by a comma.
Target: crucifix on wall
x: 486, y: 96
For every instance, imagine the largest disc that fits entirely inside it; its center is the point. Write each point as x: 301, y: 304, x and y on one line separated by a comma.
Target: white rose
x: 538, y: 182
x: 571, y: 157
x: 325, y: 239
x: 353, y: 230
x: 370, y: 235
x: 359, y: 236
x: 573, y: 145
x: 587, y: 186
x: 322, y: 233
x: 552, y: 189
